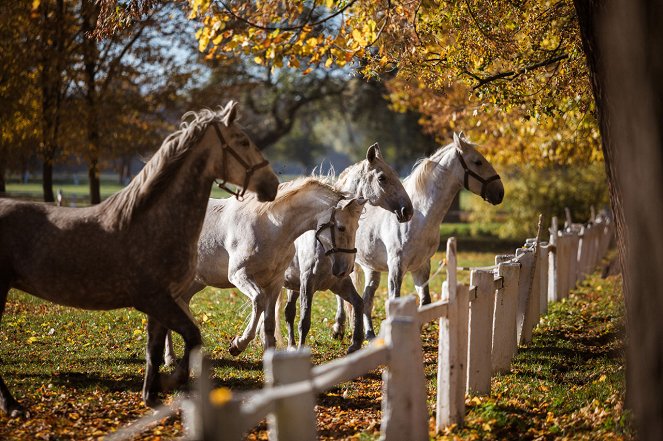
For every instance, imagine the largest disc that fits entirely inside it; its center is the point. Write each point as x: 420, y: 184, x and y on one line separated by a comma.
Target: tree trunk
x: 89, y: 13
x: 623, y: 41
x: 47, y: 181
x: 93, y: 178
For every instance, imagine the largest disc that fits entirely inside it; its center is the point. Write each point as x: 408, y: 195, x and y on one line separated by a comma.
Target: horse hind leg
x: 171, y: 316
x: 371, y: 285
x: 290, y: 314
x: 420, y: 278
x: 346, y: 290
x: 8, y: 403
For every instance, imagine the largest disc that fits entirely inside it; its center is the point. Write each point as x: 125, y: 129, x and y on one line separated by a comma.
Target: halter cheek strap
x: 332, y: 227
x: 475, y: 175
x: 248, y: 169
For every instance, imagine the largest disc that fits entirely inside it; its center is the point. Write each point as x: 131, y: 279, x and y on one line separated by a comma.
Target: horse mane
x: 424, y: 167
x: 351, y: 172
x: 322, y: 185
x: 121, y: 207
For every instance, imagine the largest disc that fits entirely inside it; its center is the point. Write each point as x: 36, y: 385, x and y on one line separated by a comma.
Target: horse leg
x: 171, y: 316
x: 270, y: 316
x: 371, y: 285
x: 290, y: 313
x: 339, y: 321
x: 8, y: 404
x: 170, y: 357
x: 420, y: 277
x: 395, y: 278
x: 156, y: 334
x: 345, y: 289
x: 306, y: 298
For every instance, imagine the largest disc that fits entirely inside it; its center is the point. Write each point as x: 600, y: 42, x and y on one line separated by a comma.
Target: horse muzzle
x: 495, y: 192
x: 404, y: 213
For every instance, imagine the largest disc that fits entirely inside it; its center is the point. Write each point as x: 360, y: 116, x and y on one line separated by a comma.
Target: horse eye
x: 477, y: 162
x: 341, y: 228
x: 382, y: 178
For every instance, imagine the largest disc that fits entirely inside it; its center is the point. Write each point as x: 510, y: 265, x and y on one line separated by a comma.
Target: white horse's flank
x: 311, y: 271
x: 249, y: 245
x: 386, y: 245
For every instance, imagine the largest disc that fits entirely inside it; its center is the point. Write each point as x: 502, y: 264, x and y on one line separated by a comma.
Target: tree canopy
x: 512, y: 74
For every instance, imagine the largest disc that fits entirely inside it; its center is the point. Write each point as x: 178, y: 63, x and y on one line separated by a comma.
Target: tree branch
x: 482, y: 81
x: 288, y: 27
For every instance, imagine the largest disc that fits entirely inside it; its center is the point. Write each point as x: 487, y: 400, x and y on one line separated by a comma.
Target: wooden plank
x: 404, y: 411
x: 293, y: 417
x: 526, y: 259
x: 482, y: 301
x: 433, y: 311
x: 505, y: 343
x: 351, y: 366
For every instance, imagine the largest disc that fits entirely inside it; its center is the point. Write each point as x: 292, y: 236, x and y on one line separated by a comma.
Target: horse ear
x: 457, y: 140
x: 361, y: 201
x: 373, y: 152
x: 231, y: 113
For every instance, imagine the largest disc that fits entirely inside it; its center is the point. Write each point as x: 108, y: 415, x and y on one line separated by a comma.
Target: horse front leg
x: 338, y: 330
x: 272, y: 296
x: 395, y: 278
x: 371, y: 285
x: 345, y: 289
x: 307, y: 291
x: 156, y: 335
x: 420, y: 277
x: 290, y: 314
x: 8, y: 404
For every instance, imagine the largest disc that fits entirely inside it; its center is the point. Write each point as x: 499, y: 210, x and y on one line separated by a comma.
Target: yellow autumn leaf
x: 31, y: 340
x: 220, y: 396
x: 358, y: 37
x: 329, y: 62
x: 258, y: 60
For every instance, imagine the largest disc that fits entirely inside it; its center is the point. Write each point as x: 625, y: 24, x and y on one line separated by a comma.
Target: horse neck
x: 302, y: 212
x: 178, y: 199
x: 350, y: 181
x: 440, y: 187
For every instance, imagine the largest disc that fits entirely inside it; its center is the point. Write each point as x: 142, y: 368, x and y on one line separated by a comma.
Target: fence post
x: 192, y: 417
x: 526, y: 258
x: 573, y: 261
x: 533, y: 298
x: 220, y: 409
x: 504, y: 318
x: 293, y: 418
x: 552, y: 262
x: 450, y: 406
x: 544, y: 260
x: 482, y: 304
x: 404, y: 411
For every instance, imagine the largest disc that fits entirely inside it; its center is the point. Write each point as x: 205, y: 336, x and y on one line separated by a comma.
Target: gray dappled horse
x: 383, y: 244
x: 311, y: 270
x: 138, y: 247
x: 249, y: 245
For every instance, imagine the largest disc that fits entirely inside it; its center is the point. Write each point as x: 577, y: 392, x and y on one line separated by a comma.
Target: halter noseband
x: 475, y: 175
x: 248, y: 169
x: 332, y: 226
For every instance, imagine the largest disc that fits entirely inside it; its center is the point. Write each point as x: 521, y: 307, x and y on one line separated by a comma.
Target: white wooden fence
x: 480, y: 328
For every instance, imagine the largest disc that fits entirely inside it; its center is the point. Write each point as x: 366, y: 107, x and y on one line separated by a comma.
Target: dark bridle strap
x: 332, y: 227
x: 475, y: 175
x: 248, y: 169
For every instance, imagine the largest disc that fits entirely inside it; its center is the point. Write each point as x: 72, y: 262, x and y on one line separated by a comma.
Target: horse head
x: 383, y: 186
x: 476, y: 173
x: 241, y: 162
x: 337, y: 235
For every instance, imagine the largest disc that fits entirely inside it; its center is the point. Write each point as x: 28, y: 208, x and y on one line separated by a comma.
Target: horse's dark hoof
x: 15, y: 410
x: 370, y: 334
x: 234, y: 349
x: 425, y: 301
x: 152, y: 400
x: 354, y: 347
x: 338, y: 331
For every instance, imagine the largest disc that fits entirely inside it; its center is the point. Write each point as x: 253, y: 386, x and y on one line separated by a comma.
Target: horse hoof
x: 425, y: 301
x: 370, y: 334
x: 15, y: 410
x: 234, y: 349
x: 354, y: 347
x: 338, y: 332
x: 152, y: 400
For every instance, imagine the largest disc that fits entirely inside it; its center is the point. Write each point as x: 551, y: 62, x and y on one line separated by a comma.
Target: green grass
x: 80, y: 372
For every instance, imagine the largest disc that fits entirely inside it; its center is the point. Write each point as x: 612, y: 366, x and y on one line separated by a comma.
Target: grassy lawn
x: 80, y: 372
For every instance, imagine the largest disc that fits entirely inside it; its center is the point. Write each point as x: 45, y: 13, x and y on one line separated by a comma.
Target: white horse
x: 386, y: 245
x: 311, y: 270
x: 248, y: 245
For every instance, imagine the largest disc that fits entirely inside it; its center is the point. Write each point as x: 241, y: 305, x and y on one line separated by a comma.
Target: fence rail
x: 480, y: 328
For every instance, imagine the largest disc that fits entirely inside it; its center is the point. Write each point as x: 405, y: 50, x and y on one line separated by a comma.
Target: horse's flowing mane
x: 425, y: 169
x: 122, y: 206
x: 322, y: 185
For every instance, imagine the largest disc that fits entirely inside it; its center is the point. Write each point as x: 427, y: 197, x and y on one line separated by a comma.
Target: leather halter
x: 248, y: 169
x: 475, y: 175
x: 332, y: 226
